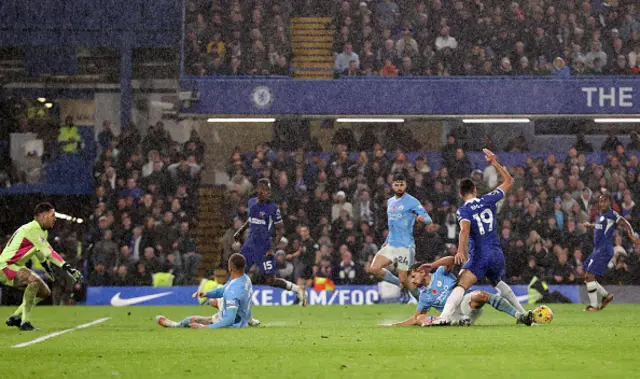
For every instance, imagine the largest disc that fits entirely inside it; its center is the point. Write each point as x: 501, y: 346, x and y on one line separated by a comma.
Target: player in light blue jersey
x: 479, y: 237
x: 436, y: 288
x: 596, y: 264
x: 235, y: 310
x: 403, y: 210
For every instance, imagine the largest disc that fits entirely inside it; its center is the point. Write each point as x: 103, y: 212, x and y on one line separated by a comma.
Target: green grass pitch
x: 323, y: 342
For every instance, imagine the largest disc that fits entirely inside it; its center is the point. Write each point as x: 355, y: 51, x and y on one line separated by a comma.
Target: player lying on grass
x: 30, y: 240
x: 236, y: 308
x: 435, y: 290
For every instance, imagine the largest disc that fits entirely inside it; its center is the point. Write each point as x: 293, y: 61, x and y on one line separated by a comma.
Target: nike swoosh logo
x: 116, y: 301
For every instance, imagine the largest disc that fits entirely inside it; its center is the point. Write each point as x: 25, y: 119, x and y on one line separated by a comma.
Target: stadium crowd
x: 440, y: 38
x: 334, y: 206
x: 143, y: 208
x: 237, y: 38
x: 423, y: 38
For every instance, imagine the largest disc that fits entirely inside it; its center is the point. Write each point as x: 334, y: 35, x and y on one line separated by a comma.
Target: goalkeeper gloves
x: 75, y: 274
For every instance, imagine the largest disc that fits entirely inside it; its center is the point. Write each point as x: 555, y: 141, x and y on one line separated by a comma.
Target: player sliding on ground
x: 596, y: 263
x: 479, y: 235
x: 30, y: 240
x: 236, y: 308
x: 403, y: 210
x: 435, y: 290
x: 258, y: 249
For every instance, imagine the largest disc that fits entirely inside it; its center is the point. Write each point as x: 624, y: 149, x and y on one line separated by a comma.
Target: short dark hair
x: 467, y: 186
x: 398, y: 176
x: 606, y: 195
x: 237, y: 262
x: 415, y: 267
x: 264, y: 182
x: 41, y: 208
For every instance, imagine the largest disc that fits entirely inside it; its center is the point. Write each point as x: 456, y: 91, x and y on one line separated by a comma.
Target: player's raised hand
x: 489, y: 156
x: 199, y: 294
x: 426, y: 268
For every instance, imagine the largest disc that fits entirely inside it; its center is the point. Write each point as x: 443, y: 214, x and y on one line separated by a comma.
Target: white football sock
x: 601, y: 291
x: 592, y: 290
x: 453, y: 302
x: 507, y: 293
x: 291, y: 286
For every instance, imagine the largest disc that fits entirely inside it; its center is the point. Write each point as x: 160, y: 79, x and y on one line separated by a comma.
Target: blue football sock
x: 501, y: 304
x: 389, y: 277
x: 185, y: 323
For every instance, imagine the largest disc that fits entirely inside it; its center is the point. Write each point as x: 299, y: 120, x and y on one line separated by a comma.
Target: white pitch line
x: 44, y: 338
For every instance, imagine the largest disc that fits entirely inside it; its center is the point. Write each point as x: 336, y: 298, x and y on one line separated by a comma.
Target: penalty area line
x: 44, y: 338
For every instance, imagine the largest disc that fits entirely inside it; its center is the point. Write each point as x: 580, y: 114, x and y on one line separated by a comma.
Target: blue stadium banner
x: 262, y: 295
x: 416, y: 96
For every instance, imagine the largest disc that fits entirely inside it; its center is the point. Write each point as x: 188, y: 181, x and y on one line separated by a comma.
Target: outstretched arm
x: 447, y: 262
x: 629, y: 230
x: 421, y: 214
x: 409, y: 322
x: 238, y: 235
x: 507, y: 179
x: 588, y: 225
x: 213, y: 294
x: 47, y: 255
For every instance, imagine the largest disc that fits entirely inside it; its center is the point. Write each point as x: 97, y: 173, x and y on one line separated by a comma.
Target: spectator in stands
x: 348, y: 272
x: 143, y: 277
x: 445, y: 40
x: 560, y: 70
x: 341, y: 204
x: 352, y: 70
x: 121, y: 277
x: 343, y: 59
x: 284, y: 267
x: 596, y: 53
x: 407, y: 46
x: 461, y: 167
x: 105, y: 136
x: 611, y: 142
x: 387, y: 13
x: 562, y: 272
x: 99, y: 277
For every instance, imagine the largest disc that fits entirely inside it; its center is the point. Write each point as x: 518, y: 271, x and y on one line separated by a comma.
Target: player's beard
x: 399, y: 193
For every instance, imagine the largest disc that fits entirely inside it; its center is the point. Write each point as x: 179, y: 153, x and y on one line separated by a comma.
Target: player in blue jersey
x: 479, y: 236
x: 403, y: 210
x: 236, y: 293
x: 596, y: 263
x: 258, y: 249
x: 435, y: 290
